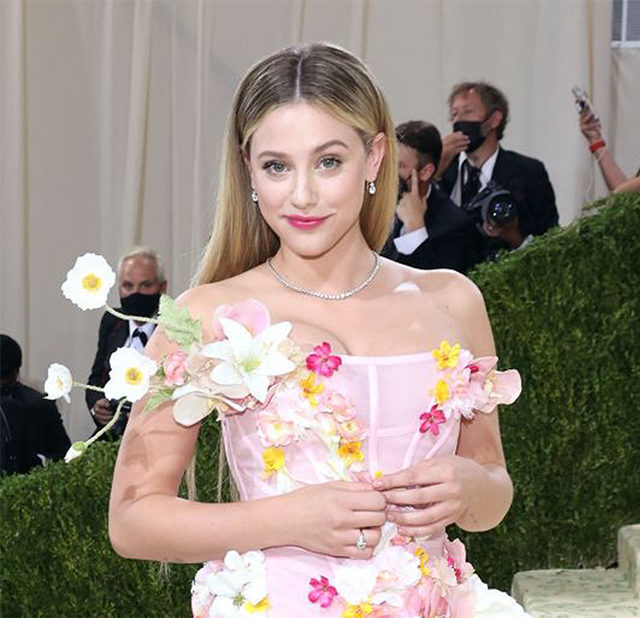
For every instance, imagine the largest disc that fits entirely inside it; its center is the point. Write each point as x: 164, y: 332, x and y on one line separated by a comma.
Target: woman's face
x: 309, y: 170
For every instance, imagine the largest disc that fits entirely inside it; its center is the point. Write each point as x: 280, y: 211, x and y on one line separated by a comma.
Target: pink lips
x: 306, y: 223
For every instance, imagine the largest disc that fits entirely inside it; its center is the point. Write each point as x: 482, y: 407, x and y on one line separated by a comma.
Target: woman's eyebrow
x: 282, y: 155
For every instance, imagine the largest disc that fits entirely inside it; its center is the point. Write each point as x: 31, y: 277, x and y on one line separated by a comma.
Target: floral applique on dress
x: 299, y: 413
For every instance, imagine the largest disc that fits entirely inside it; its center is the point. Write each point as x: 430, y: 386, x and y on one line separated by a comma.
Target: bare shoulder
x: 451, y: 290
x: 203, y: 299
x: 448, y: 293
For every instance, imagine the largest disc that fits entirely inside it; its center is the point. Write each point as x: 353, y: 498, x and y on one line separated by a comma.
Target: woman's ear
x: 247, y: 163
x: 376, y: 155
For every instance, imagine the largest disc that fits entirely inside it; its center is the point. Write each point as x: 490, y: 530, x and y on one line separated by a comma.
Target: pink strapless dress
x: 369, y: 416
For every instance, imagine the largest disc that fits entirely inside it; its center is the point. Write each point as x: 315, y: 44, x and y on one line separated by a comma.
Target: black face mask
x: 473, y: 130
x: 144, y: 305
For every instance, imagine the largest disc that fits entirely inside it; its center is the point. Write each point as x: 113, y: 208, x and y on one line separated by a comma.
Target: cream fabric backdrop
x: 112, y: 115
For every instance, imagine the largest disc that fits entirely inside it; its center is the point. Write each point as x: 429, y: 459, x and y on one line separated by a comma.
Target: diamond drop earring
x: 372, y: 187
x: 254, y: 196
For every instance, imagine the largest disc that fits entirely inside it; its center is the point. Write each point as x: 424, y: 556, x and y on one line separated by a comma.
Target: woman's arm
x: 148, y: 521
x: 592, y: 130
x: 471, y: 488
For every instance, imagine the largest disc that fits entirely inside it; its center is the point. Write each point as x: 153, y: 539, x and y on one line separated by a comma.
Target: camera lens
x: 502, y: 210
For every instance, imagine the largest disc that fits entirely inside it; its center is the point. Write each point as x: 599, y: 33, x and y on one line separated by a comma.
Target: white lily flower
x: 76, y: 450
x: 58, y: 383
x: 88, y: 283
x: 242, y: 581
x: 248, y: 360
x: 130, y: 374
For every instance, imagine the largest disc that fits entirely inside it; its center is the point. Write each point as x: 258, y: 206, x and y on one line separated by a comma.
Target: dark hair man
x: 141, y: 281
x: 31, y: 430
x: 429, y: 230
x: 472, y: 156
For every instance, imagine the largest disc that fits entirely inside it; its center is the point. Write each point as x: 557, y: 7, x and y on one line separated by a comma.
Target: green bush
x: 565, y: 312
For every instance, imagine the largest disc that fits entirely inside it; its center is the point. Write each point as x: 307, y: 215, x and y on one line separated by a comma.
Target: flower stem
x: 124, y: 316
x: 89, y: 387
x: 109, y: 425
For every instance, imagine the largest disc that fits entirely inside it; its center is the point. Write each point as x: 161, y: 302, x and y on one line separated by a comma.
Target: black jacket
x: 452, y: 237
x: 113, y: 334
x: 29, y: 425
x: 527, y: 180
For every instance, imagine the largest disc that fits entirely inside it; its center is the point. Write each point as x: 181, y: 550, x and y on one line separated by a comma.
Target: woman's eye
x: 329, y: 163
x: 275, y: 167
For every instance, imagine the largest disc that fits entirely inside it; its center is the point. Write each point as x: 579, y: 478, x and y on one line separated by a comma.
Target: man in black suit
x: 141, y: 282
x: 472, y: 156
x: 31, y: 430
x: 429, y: 230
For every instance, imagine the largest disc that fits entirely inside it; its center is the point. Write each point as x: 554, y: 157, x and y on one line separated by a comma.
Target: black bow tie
x: 143, y: 336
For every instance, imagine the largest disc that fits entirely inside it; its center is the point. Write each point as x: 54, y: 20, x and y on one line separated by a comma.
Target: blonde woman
x: 357, y: 396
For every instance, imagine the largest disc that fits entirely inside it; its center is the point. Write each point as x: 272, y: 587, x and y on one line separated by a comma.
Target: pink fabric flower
x: 338, y: 405
x: 175, y: 366
x: 431, y: 420
x: 252, y: 314
x: 350, y: 430
x: 322, y: 592
x: 491, y: 387
x: 322, y: 361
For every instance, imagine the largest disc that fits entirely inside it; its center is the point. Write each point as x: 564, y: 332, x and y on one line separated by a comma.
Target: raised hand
x: 590, y: 126
x: 327, y: 518
x: 411, y: 207
x: 437, y: 490
x: 452, y: 145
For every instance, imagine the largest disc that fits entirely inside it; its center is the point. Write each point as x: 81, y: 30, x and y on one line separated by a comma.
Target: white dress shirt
x: 486, y: 171
x: 134, y: 342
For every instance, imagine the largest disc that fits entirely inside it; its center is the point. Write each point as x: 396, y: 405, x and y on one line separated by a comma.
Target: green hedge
x: 565, y: 312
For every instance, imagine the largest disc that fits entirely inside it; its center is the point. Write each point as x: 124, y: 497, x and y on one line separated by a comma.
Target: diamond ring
x: 361, y: 543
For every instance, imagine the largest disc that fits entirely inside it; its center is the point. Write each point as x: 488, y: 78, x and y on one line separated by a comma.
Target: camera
x: 126, y: 407
x: 494, y: 204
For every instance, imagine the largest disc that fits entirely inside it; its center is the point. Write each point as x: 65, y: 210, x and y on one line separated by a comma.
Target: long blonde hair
x: 335, y: 80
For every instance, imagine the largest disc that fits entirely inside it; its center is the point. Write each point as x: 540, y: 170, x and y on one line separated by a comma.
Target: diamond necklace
x: 324, y: 295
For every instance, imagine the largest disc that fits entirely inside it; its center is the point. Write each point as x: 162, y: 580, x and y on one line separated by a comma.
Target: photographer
x: 429, y: 230
x: 141, y: 282
x: 499, y: 221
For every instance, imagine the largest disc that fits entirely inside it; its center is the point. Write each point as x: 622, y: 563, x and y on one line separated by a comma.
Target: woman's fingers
x: 433, y: 529
x: 371, y: 537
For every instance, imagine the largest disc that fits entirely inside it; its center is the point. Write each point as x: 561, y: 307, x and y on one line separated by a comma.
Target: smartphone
x: 582, y: 101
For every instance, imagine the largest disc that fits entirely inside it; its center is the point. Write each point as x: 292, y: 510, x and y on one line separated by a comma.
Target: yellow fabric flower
x: 350, y: 452
x: 424, y: 558
x: 273, y: 458
x: 442, y: 391
x: 447, y: 355
x: 357, y: 611
x: 310, y: 389
x: 261, y: 607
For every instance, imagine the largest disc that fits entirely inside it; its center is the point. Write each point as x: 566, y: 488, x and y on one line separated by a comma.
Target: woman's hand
x: 328, y: 518
x: 438, y: 490
x: 590, y: 126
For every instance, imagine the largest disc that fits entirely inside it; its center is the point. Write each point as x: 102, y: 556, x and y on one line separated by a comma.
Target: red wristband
x: 597, y: 145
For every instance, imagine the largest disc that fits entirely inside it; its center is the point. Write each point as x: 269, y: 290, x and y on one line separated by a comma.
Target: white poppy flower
x: 248, y: 360
x: 75, y: 450
x: 58, y: 383
x: 355, y: 580
x: 130, y: 374
x: 88, y: 283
